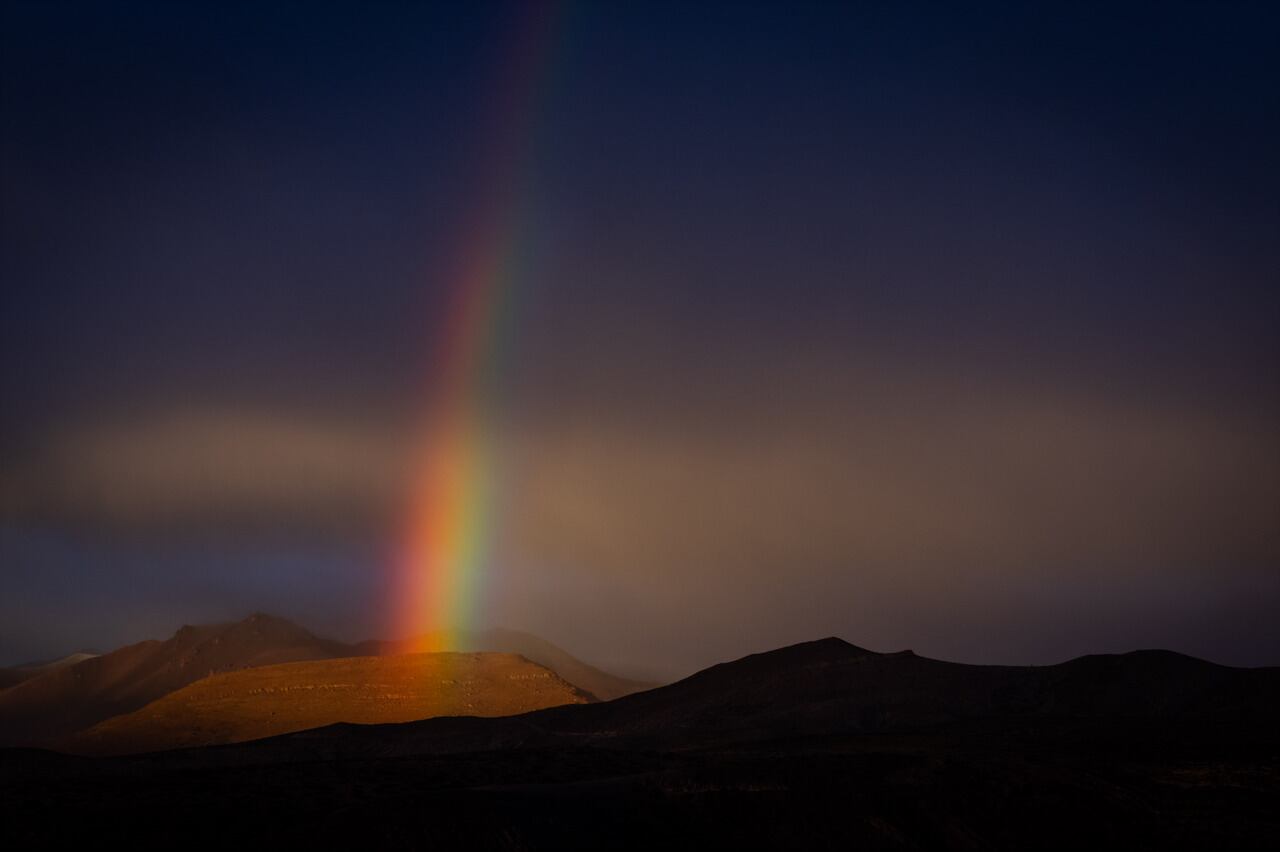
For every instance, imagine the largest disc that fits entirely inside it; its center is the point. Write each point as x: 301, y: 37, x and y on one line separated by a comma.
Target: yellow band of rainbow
x: 443, y: 556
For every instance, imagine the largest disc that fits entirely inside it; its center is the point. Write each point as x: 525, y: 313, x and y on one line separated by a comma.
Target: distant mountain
x: 268, y: 700
x: 60, y: 662
x: 47, y: 704
x: 14, y: 675
x: 599, y: 683
x: 75, y: 696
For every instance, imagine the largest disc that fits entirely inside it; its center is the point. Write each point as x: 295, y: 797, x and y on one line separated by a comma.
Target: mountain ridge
x: 57, y: 702
x: 77, y: 696
x: 261, y: 701
x: 831, y: 687
x: 818, y: 745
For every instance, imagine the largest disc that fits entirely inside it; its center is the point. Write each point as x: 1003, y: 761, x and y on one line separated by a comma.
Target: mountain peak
x: 261, y: 626
x: 815, y: 650
x: 266, y: 618
x: 766, y: 665
x: 128, y: 678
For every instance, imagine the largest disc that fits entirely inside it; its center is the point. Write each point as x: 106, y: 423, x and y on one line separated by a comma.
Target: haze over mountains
x: 60, y: 702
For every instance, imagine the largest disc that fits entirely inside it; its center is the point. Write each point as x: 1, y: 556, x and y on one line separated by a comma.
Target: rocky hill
x: 73, y: 697
x: 268, y: 700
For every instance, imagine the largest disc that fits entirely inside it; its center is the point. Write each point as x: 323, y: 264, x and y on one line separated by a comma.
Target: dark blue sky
x: 907, y: 322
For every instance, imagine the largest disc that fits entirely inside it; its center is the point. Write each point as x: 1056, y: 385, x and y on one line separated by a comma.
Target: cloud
x: 689, y: 516
x: 903, y: 475
x: 173, y: 470
x: 816, y: 470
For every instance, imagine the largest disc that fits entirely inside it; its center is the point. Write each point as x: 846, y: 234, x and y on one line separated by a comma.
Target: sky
x: 949, y: 327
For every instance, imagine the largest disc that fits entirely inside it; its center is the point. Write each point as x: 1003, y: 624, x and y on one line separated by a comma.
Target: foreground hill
x: 816, y: 746
x: 268, y: 700
x: 76, y: 696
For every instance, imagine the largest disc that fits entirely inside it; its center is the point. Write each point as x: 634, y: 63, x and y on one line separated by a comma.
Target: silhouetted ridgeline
x: 819, y: 745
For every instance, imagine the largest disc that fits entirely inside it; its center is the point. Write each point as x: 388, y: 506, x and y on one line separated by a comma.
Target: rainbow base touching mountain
x: 451, y: 517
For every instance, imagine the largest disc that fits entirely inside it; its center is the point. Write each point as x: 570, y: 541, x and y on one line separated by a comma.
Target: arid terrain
x: 267, y: 700
x: 45, y: 706
x: 601, y: 684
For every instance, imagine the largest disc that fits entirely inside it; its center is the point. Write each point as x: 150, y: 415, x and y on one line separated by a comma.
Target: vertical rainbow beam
x: 445, y: 548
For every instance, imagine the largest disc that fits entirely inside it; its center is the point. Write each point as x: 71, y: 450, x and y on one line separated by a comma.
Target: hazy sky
x: 927, y: 326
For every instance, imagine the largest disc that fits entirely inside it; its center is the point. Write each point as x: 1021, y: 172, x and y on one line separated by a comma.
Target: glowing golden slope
x: 269, y: 700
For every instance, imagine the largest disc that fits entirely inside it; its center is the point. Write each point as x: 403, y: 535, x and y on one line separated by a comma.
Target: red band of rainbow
x: 448, y: 534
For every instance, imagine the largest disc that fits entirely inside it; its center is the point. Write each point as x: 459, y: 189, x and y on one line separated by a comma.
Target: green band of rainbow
x: 443, y: 557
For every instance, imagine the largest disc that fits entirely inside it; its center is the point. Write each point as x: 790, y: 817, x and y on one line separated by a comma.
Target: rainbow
x: 448, y: 531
